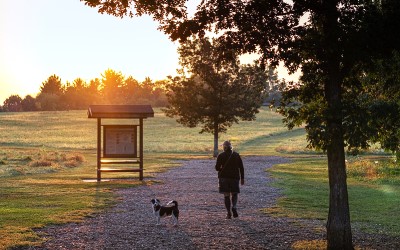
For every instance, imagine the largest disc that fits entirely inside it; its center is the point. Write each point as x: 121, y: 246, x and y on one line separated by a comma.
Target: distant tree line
x: 112, y: 88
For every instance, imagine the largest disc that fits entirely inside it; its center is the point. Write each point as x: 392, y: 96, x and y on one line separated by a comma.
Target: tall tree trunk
x: 215, y: 153
x: 339, y: 234
x: 338, y: 226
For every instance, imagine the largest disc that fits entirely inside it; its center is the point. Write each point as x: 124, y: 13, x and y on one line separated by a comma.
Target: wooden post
x: 141, y: 148
x: 98, y: 149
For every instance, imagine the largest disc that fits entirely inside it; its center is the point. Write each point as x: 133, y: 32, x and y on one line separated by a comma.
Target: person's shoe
x: 229, y: 216
x: 235, y: 214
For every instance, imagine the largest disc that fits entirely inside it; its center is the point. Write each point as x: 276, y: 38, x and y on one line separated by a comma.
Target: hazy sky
x: 40, y: 38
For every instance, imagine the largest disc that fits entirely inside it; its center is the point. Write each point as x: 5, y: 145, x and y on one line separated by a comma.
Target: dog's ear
x: 153, y: 201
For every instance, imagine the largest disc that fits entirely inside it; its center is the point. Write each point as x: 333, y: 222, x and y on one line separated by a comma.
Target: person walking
x: 230, y: 172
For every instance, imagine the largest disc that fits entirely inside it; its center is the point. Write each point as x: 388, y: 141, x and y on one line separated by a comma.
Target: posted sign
x: 120, y: 141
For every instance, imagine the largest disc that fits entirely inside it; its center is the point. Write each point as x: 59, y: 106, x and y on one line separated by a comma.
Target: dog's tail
x: 173, y: 202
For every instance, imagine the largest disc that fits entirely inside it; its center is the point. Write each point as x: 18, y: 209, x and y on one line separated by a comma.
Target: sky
x: 40, y: 38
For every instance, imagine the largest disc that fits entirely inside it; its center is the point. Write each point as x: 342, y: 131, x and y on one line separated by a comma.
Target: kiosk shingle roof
x: 120, y: 111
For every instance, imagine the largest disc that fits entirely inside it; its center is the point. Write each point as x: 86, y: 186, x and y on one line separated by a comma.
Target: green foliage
x: 381, y: 85
x: 219, y: 91
x: 369, y: 81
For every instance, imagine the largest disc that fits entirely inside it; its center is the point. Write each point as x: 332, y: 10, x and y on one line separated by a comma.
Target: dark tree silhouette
x: 13, y: 104
x: 29, y: 103
x: 219, y: 91
x: 52, y: 85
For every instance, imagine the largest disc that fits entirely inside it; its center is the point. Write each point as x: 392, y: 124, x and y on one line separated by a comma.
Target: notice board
x: 120, y: 141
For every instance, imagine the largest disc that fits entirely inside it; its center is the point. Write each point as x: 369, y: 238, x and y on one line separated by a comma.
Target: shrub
x: 40, y: 163
x: 78, y: 158
x: 385, y: 170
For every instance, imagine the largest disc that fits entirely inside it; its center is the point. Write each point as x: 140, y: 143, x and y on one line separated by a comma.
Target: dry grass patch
x: 15, y: 162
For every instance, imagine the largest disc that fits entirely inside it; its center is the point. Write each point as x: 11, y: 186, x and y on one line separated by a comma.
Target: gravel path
x: 202, y: 223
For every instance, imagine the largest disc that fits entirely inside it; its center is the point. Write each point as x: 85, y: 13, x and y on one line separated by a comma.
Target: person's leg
x: 228, y: 205
x: 234, y: 204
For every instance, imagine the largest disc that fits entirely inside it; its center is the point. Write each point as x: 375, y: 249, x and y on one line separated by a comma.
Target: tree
x: 219, y: 91
x: 383, y: 87
x: 51, y: 93
x: 93, y: 94
x: 327, y: 40
x: 52, y: 86
x: 376, y: 77
x: 13, y: 104
x: 29, y: 103
x: 147, y: 85
x: 48, y: 102
x: 372, y: 110
x: 77, y: 95
x: 112, y: 83
x: 159, y: 98
x: 131, y: 90
x: 274, y: 92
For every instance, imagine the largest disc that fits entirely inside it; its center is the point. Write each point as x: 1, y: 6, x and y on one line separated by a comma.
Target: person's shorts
x: 226, y: 185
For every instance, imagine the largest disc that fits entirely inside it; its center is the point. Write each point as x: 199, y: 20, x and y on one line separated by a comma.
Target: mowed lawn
x: 45, y: 156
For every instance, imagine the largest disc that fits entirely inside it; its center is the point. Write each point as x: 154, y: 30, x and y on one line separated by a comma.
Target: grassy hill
x: 45, y: 156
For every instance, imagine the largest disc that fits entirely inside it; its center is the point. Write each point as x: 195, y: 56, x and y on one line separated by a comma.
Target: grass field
x: 373, y: 203
x: 45, y: 156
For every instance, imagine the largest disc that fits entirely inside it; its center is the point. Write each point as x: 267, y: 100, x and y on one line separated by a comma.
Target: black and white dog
x: 163, y: 211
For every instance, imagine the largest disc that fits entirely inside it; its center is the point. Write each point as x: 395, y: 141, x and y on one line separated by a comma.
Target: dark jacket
x: 232, y: 168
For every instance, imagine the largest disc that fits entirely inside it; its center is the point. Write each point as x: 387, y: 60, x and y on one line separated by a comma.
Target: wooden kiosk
x: 120, y: 141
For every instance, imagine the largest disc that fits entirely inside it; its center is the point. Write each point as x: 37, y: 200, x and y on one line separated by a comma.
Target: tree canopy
x: 13, y: 103
x: 52, y: 85
x: 218, y: 92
